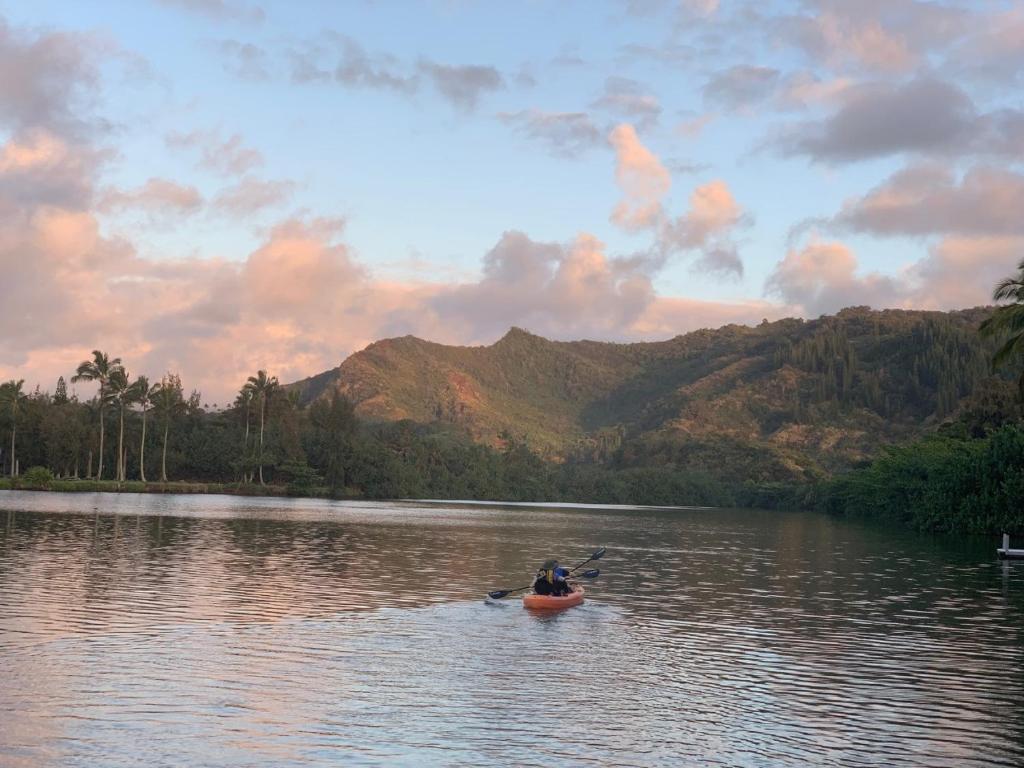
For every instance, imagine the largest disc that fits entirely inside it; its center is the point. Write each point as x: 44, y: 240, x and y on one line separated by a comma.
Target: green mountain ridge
x: 789, y: 400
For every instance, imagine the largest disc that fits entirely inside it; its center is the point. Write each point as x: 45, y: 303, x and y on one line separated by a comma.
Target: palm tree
x: 11, y: 397
x: 1008, y: 319
x: 244, y: 399
x: 145, y: 396
x: 261, y: 389
x: 123, y: 392
x: 168, y: 400
x: 98, y: 369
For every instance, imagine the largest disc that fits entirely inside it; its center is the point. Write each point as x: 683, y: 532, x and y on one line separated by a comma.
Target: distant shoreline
x: 172, y: 487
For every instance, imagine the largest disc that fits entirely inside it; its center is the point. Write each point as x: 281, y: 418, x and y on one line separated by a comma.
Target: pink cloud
x: 559, y: 290
x: 251, y: 195
x: 706, y: 227
x: 957, y: 272
x: 157, y: 197
x: 229, y: 156
x: 641, y: 176
x: 961, y: 271
x: 929, y: 199
x: 713, y: 211
x: 823, y: 277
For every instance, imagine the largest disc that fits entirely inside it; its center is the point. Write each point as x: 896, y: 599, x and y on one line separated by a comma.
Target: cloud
x: 805, y: 90
x: 48, y: 80
x: 568, y: 58
x: 669, y: 53
x: 706, y: 228
x: 687, y: 10
x: 822, y: 278
x: 461, y: 85
x: 961, y: 271
x: 565, y: 134
x: 724, y: 260
x: 684, y: 167
x: 625, y: 98
x: 219, y: 10
x: 922, y: 116
x: 710, y: 221
x: 693, y: 127
x: 559, y: 290
x: 957, y: 272
x: 641, y: 176
x: 888, y: 36
x: 993, y: 50
x: 157, y: 197
x: 703, y: 8
x: 353, y: 66
x: 246, y: 61
x: 357, y: 68
x: 251, y: 195
x: 40, y: 168
x: 300, y: 271
x: 230, y: 157
x: 464, y: 85
x: 741, y: 86
x: 302, y: 301
x: 927, y: 200
x: 838, y: 40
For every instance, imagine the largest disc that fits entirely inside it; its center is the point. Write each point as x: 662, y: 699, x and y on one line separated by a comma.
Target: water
x: 210, y: 630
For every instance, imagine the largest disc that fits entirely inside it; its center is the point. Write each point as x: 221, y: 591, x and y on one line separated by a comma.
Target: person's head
x: 547, y: 570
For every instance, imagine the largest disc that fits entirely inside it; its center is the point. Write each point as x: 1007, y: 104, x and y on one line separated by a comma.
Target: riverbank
x: 137, y: 486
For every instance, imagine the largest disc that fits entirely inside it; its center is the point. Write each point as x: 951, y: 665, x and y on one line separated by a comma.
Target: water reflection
x: 215, y: 630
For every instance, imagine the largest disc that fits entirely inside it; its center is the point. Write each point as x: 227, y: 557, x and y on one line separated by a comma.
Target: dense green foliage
x: 789, y: 401
x: 940, y: 484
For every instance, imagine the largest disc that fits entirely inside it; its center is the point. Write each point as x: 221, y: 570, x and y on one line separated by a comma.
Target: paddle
x: 596, y: 556
x: 500, y: 593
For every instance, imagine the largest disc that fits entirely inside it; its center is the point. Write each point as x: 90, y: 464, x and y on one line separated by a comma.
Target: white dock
x: 1005, y: 553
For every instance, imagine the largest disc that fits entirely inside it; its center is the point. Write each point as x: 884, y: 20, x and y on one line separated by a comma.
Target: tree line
x: 70, y: 437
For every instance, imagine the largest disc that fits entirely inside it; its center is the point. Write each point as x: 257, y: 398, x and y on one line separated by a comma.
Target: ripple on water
x: 239, y: 632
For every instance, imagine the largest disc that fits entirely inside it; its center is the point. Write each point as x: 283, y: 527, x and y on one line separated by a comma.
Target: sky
x: 212, y: 187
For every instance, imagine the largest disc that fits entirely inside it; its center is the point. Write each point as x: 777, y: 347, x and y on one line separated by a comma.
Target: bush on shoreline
x: 939, y: 484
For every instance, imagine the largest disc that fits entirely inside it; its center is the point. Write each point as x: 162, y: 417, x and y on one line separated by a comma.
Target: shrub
x: 37, y: 477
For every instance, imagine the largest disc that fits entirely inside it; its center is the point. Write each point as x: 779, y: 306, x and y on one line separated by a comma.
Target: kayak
x: 550, y: 602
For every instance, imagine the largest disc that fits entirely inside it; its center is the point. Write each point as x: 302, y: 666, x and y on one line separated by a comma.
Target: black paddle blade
x: 498, y: 594
x: 599, y: 554
x: 592, y: 574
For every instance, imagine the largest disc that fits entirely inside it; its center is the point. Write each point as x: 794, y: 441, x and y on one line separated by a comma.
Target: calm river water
x: 211, y: 630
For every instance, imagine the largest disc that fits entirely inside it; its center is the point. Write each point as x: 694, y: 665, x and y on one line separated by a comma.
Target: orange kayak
x: 550, y: 602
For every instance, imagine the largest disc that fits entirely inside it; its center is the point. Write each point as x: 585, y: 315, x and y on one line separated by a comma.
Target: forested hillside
x: 785, y: 401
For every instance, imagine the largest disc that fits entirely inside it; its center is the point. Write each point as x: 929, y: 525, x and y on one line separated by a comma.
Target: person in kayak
x: 550, y: 580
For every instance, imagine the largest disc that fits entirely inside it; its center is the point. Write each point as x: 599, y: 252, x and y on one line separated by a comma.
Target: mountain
x: 792, y: 399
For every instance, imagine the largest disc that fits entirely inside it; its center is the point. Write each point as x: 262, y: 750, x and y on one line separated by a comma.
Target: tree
x: 62, y: 431
x: 99, y: 369
x: 1008, y: 321
x: 334, y: 429
x: 145, y: 396
x: 123, y: 393
x: 12, y: 398
x: 169, y: 402
x: 60, y: 396
x: 244, y: 400
x: 262, y: 389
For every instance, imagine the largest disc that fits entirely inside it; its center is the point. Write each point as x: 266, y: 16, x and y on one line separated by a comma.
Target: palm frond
x: 1013, y: 347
